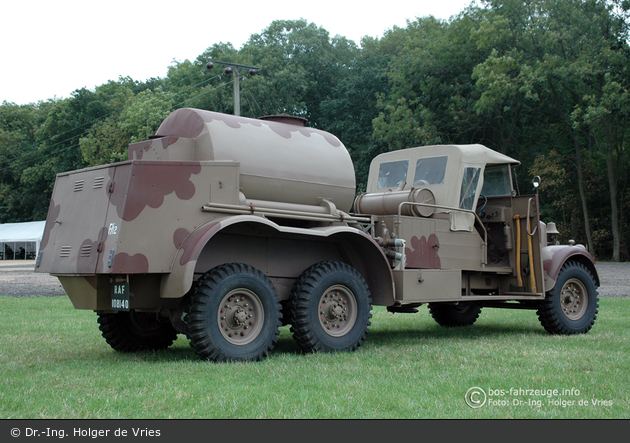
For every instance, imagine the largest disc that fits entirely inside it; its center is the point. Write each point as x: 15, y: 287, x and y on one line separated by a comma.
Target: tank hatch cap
x: 285, y: 118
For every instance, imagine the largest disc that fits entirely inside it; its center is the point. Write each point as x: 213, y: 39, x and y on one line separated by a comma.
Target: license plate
x: 120, y: 296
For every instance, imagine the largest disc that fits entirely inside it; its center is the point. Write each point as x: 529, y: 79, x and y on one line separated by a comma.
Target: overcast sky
x: 50, y: 48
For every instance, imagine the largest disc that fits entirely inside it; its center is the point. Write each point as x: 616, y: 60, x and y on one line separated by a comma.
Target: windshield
x: 496, y: 181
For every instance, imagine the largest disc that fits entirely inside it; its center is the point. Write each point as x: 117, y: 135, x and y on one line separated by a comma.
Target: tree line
x: 545, y: 82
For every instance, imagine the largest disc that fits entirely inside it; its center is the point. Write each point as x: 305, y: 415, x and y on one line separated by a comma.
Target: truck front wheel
x: 234, y: 314
x: 571, y: 306
x: 136, y: 331
x: 460, y: 314
x: 330, y: 308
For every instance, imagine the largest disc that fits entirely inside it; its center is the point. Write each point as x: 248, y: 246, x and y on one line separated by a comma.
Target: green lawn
x: 55, y: 364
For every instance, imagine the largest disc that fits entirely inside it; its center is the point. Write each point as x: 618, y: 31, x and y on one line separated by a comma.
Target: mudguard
x: 554, y: 257
x: 367, y: 256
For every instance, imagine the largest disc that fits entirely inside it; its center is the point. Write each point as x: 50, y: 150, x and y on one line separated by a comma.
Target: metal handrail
x: 529, y: 204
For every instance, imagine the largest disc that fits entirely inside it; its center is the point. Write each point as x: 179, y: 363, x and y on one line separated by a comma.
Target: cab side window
x: 430, y: 171
x: 390, y: 174
x: 469, y: 188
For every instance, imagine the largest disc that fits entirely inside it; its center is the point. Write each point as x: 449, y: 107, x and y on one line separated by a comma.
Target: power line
x: 175, y: 106
x: 254, y: 100
x: 34, y: 145
x: 235, y: 70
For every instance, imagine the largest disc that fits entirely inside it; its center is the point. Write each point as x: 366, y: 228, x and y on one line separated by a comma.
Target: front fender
x: 554, y: 257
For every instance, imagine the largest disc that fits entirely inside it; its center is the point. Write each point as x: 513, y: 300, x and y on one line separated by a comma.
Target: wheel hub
x: 573, y: 299
x: 240, y: 316
x: 337, y: 310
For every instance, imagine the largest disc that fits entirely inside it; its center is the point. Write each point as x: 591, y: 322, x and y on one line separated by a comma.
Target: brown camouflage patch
x: 150, y: 183
x: 184, y: 122
x: 194, y: 242
x: 137, y: 150
x: 190, y: 123
x: 130, y: 264
x: 423, y: 253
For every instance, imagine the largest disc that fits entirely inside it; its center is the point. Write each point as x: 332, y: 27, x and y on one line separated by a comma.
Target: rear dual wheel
x: 134, y: 331
x: 234, y: 314
x: 330, y: 308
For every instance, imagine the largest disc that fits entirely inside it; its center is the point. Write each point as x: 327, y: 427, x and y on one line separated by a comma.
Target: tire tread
x: 301, y: 302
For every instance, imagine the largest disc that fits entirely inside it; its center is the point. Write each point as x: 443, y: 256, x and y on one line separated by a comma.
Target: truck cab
x: 461, y: 233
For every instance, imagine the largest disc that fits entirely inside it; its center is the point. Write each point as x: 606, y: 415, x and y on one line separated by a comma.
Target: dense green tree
x: 18, y: 126
x: 432, y: 93
x: 192, y: 85
x: 566, y: 63
x: 543, y: 81
x: 300, y: 67
x: 140, y: 117
x: 353, y: 105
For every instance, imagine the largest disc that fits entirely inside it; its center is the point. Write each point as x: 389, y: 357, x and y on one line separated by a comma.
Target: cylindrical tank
x: 387, y: 203
x: 281, y: 162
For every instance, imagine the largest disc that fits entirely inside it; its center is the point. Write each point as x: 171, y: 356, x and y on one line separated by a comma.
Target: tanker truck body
x: 226, y: 228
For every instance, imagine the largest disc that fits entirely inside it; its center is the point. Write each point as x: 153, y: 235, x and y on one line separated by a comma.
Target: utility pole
x: 235, y: 70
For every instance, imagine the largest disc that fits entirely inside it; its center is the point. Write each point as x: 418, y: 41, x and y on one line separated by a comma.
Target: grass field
x: 55, y: 364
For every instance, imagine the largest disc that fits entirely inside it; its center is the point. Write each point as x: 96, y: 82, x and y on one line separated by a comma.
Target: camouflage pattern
x: 147, y: 220
x: 210, y: 189
x: 278, y: 161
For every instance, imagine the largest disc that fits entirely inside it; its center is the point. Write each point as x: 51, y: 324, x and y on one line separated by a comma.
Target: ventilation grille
x: 86, y: 250
x: 98, y: 182
x: 78, y: 185
x: 65, y: 251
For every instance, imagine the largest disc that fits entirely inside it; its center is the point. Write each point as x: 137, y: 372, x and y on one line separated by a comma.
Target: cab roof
x: 469, y: 154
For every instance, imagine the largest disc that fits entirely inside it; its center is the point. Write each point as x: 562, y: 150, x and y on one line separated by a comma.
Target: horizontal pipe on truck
x: 387, y: 203
x: 282, y: 213
x: 327, y: 208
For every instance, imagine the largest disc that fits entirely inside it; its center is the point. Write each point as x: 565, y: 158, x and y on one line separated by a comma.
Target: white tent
x: 14, y: 236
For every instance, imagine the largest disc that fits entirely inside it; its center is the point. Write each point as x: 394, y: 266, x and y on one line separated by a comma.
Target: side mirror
x: 536, y: 181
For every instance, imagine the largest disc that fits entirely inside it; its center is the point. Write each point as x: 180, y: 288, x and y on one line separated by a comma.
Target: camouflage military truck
x: 226, y: 228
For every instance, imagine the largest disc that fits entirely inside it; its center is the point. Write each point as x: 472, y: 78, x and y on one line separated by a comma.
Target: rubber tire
x: 550, y: 312
x: 452, y: 315
x: 312, y: 285
x: 131, y: 331
x: 203, y: 326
